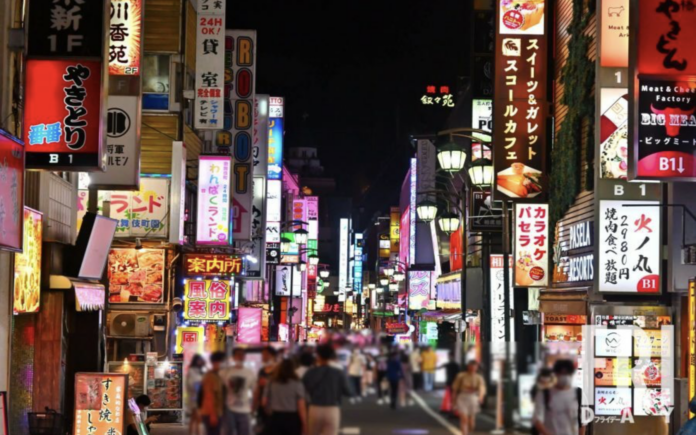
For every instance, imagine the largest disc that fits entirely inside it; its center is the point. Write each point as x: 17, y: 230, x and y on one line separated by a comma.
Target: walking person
x: 469, y: 390
x: 240, y: 382
x: 194, y: 379
x: 557, y: 409
x: 284, y: 401
x: 326, y: 386
x: 416, y: 371
x: 429, y: 365
x: 356, y: 370
x: 212, y: 396
x: 545, y: 380
x: 406, y: 384
x: 381, y: 369
x: 395, y: 373
x: 268, y: 361
x: 452, y: 370
x: 306, y: 361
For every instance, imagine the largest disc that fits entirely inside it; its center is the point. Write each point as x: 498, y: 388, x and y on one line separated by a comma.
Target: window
x: 156, y: 71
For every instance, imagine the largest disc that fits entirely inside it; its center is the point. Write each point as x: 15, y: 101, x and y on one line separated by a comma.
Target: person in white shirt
x: 356, y: 370
x: 557, y: 409
x: 239, y: 384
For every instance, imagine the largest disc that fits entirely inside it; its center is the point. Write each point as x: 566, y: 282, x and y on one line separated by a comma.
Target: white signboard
x: 612, y: 401
x: 629, y: 251
x: 122, y: 146
x: 177, y: 215
x: 343, y: 255
x: 260, y: 149
x: 210, y: 65
x: 258, y: 230
x: 213, y: 223
x: 276, y: 107
x: 283, y: 278
x: 274, y: 207
x: 531, y: 245
x: 497, y: 280
x: 613, y: 342
x: 312, y: 203
x: 482, y: 117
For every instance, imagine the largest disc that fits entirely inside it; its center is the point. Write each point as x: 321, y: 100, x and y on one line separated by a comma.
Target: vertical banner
x: 256, y: 267
x: 343, y: 255
x: 692, y: 339
x: 213, y: 220
x: 412, y: 212
x: 497, y: 280
x: 288, y: 281
x: 358, y: 263
x: 243, y: 64
x: 177, y: 212
x: 260, y: 149
x: 11, y: 192
x: 312, y: 204
x: 101, y: 400
x: 210, y: 65
x: 520, y: 105
x: 420, y: 283
x: 249, y: 325
x: 122, y: 146
x: 275, y: 147
x: 125, y: 37
x: 274, y: 206
x: 531, y: 245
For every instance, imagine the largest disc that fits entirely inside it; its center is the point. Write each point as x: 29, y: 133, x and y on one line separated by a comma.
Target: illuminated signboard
x: 343, y: 255
x: 312, y: 204
x: 692, y: 339
x: 420, y: 285
x: 27, y: 265
x: 486, y: 213
x: 136, y: 275
x: 212, y: 265
x: 482, y: 117
x: 100, y: 403
x: 574, y: 251
x: 497, y: 279
x: 394, y: 219
x: 274, y: 193
x: 249, y: 325
x: 141, y: 213
x: 412, y: 212
x: 207, y: 300
x: 62, y: 125
x: 531, y: 245
x: 125, y: 37
x: 210, y: 66
x: 520, y: 100
x: 613, y: 133
x: 190, y: 338
x: 358, y: 264
x: 275, y: 148
x: 288, y: 281
x: 214, y: 174
x: 614, y: 30
x: 437, y: 96
x: 11, y: 192
x: 629, y: 251
x: 275, y: 107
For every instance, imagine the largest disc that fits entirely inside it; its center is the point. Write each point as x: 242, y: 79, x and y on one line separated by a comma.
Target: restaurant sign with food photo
x: 531, y: 245
x: 27, y: 266
x: 136, y: 276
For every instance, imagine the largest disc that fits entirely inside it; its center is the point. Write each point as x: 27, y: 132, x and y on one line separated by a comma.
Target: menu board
x: 136, y: 276
x: 136, y: 377
x: 27, y: 267
x: 165, y: 385
x: 99, y: 403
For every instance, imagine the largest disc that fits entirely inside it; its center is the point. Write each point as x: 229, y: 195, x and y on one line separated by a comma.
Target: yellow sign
x: 191, y: 338
x: 27, y: 267
x: 207, y: 300
x: 394, y: 218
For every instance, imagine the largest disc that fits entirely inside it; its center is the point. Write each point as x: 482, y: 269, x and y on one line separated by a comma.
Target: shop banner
x: 136, y: 276
x: 274, y: 205
x: 614, y: 31
x: 258, y: 230
x: 214, y: 198
x: 11, y: 192
x: 122, y: 146
x: 358, y: 264
x: 520, y: 107
x: 190, y: 338
x: 27, y: 265
x: 482, y: 118
x: 249, y: 325
x: 612, y: 401
x: 497, y: 279
x: 260, y: 151
x: 69, y: 28
x: 413, y: 200
x: 343, y: 255
x: 125, y: 37
x: 210, y: 65
x: 312, y: 204
x: 692, y: 339
x: 100, y: 403
x: 141, y: 213
x: 285, y: 277
x: 275, y: 148
x: 207, y: 300
x: 420, y: 284
x: 394, y: 222
x: 276, y: 107
x: 212, y: 265
x: 629, y: 250
x: 531, y: 245
x: 178, y: 215
x: 63, y: 114
x: 613, y: 133
x: 273, y: 253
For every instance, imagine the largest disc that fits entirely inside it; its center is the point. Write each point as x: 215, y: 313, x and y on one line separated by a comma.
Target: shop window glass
x: 156, y: 81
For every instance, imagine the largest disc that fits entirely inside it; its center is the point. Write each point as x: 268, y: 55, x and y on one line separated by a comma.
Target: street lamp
x: 481, y: 172
x: 388, y: 271
x: 448, y: 222
x: 399, y: 276
x: 285, y: 244
x: 313, y: 259
x: 383, y: 281
x: 324, y: 274
x: 372, y: 286
x: 301, y: 236
x: 302, y: 266
x: 393, y: 287
x: 451, y: 157
x: 426, y: 210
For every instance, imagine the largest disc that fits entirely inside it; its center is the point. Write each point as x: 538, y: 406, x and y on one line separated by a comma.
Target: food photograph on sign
x: 531, y: 245
x: 521, y: 17
x: 136, y: 276
x: 27, y: 267
x: 613, y: 134
x: 612, y: 372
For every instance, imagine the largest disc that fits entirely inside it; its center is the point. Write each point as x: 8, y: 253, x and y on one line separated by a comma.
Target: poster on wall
x: 11, y: 192
x: 27, y: 265
x: 531, y: 245
x: 214, y: 198
x: 520, y: 101
x: 125, y: 37
x: 207, y: 300
x: 136, y: 276
x: 98, y: 395
x: 664, y: 147
x: 629, y: 251
x: 288, y: 281
x: 62, y: 126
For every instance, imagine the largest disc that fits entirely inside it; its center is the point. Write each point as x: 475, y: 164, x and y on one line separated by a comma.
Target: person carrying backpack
x: 557, y: 409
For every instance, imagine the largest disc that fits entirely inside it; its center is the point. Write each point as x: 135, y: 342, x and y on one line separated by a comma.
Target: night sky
x: 352, y: 75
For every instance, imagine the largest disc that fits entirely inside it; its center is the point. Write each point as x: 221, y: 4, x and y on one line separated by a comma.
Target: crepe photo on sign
x: 136, y: 276
x: 521, y: 17
x: 519, y: 181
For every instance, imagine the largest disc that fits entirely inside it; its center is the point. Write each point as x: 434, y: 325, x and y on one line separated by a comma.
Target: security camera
x: 177, y: 305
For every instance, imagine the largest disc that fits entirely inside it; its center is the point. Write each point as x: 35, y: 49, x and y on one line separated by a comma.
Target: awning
x: 564, y: 302
x: 89, y: 296
x: 446, y: 315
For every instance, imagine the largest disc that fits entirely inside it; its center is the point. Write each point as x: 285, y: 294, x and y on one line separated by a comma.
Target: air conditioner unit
x: 130, y: 324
